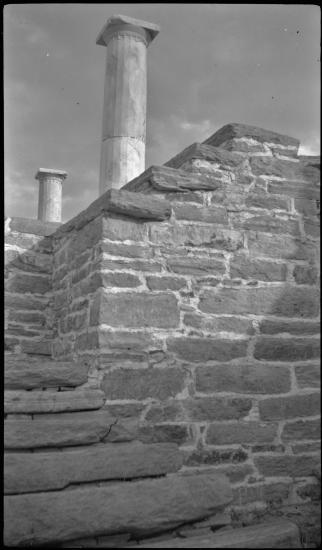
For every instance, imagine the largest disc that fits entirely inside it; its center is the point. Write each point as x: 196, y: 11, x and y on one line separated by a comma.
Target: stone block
x: 244, y: 378
x: 195, y: 266
x: 240, y: 432
x: 245, y: 131
x: 218, y: 324
x: 216, y: 408
x: 35, y: 227
x: 257, y: 200
x: 113, y: 508
x: 302, y: 429
x: 191, y: 212
x: 285, y: 301
x: 164, y: 433
x: 307, y: 207
x: 117, y: 229
x: 286, y: 349
x: 312, y: 228
x: 137, y: 205
x: 27, y: 317
x: 19, y: 401
x: 286, y: 465
x: 307, y: 447
x: 137, y: 265
x: 266, y: 223
x: 247, y: 268
x: 308, y: 375
x: 282, y: 246
x: 28, y: 261
x: 135, y: 309
x: 215, y: 457
x: 274, y: 534
x: 23, y: 283
x: 126, y: 250
x: 188, y: 196
x: 43, y: 471
x: 281, y: 408
x: 165, y: 283
x: 65, y: 429
x: 305, y: 275
x: 222, y: 158
x: 207, y: 349
x: 119, y: 279
x: 299, y: 328
x: 143, y: 383
x: 296, y: 189
x: 196, y: 235
x: 167, y: 411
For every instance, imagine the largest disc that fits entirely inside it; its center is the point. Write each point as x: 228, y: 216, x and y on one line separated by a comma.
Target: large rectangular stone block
x: 262, y: 270
x: 17, y: 401
x: 140, y: 506
x: 137, y: 309
x: 240, y: 432
x: 23, y: 373
x: 195, y: 266
x: 291, y: 406
x: 286, y: 465
x: 308, y: 375
x: 43, y: 471
x: 117, y: 229
x: 53, y: 430
x: 244, y: 378
x: 27, y: 283
x: 207, y: 349
x: 282, y: 246
x: 212, y: 236
x: 286, y: 349
x: 302, y: 429
x: 216, y: 408
x: 286, y: 301
x: 158, y: 383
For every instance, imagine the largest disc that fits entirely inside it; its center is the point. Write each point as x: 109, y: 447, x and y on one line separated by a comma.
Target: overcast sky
x: 210, y: 65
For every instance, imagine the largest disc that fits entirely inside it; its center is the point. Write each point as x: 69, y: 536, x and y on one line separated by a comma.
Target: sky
x: 211, y: 64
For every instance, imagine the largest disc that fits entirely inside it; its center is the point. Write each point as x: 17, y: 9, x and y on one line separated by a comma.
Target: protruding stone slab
x: 152, y: 505
x: 275, y: 534
x: 35, y: 227
x: 52, y: 402
x: 138, y: 205
x: 43, y: 471
x: 28, y: 373
x: 65, y: 429
x: 224, y: 159
x: 238, y: 131
x: 166, y: 179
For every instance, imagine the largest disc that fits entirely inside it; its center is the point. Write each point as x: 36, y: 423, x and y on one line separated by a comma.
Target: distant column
x: 50, y: 194
x: 124, y: 110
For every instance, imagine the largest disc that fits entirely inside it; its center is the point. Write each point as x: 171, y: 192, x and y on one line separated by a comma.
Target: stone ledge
x: 207, y: 152
x: 35, y: 227
x: 235, y: 130
x: 120, y: 202
x: 167, y: 179
x: 275, y: 534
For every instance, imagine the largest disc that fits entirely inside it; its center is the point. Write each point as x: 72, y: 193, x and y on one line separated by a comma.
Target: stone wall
x: 189, y: 301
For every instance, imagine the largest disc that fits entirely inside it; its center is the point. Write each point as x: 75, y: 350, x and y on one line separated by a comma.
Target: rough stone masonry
x: 162, y: 351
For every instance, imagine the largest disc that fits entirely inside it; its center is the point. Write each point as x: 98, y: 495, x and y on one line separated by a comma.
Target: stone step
x: 41, y: 372
x: 26, y: 402
x: 43, y: 471
x: 136, y: 507
x: 275, y: 534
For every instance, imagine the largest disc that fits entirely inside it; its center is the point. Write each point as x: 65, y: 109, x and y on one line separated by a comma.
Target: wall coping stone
x: 35, y: 227
x: 236, y: 130
x: 206, y: 152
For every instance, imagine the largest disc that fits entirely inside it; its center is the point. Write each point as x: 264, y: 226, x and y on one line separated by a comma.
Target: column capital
x: 42, y: 172
x: 122, y: 24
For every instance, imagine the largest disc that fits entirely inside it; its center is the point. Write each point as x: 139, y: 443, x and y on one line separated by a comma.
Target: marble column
x: 50, y: 194
x: 124, y: 111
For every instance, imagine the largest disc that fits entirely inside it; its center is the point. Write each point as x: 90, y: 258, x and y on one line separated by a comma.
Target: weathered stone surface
x: 165, y: 283
x: 308, y: 376
x: 136, y: 205
x: 236, y: 130
x: 307, y: 447
x: 30, y: 472
x: 277, y: 534
x: 282, y: 246
x: 307, y: 207
x: 286, y: 349
x: 287, y: 169
x: 201, y: 214
x: 256, y: 200
x: 113, y: 508
x: 206, y: 349
x: 218, y: 324
x: 195, y: 266
x: 286, y: 465
x: 240, y: 432
x: 28, y: 373
x: 124, y: 340
x: 312, y: 229
x: 243, y: 379
x: 295, y: 189
x: 188, y: 196
x: 25, y: 283
x: 38, y: 347
x: 164, y: 433
x: 32, y: 317
x: 47, y: 430
x: 17, y: 401
x: 167, y: 411
x: 119, y: 279
x: 137, y: 265
x: 286, y: 301
x: 268, y: 326
x: 36, y: 227
x: 165, y: 178
x: 28, y: 261
x: 117, y: 229
x: 136, y: 310
x: 280, y: 408
x: 302, y: 429
x: 126, y: 250
x: 305, y: 275
x: 143, y: 383
x: 203, y: 456
x: 216, y: 408
x: 196, y: 235
x: 224, y: 159
x: 266, y: 223
x: 262, y: 270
